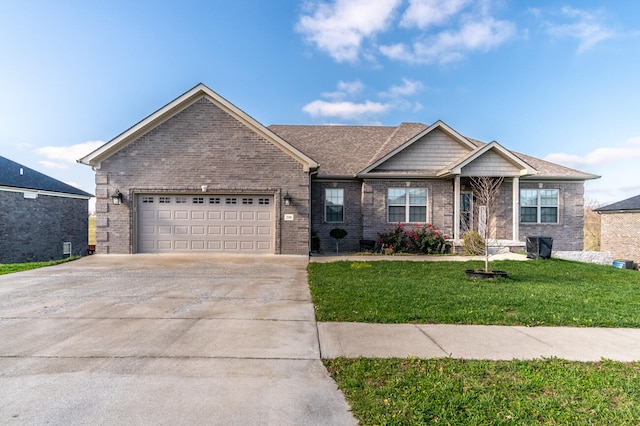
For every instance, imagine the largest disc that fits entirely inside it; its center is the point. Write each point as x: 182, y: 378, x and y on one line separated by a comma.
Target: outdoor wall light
x: 287, y: 199
x: 117, y: 197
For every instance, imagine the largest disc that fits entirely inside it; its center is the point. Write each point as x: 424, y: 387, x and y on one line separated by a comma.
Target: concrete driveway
x: 164, y: 340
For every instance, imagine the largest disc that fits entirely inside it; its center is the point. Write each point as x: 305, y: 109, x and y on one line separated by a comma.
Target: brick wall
x: 33, y: 230
x: 621, y: 235
x: 374, y: 200
x: 568, y: 233
x: 352, y: 216
x: 201, y: 145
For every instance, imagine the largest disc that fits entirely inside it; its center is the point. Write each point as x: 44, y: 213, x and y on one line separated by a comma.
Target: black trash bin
x: 539, y: 247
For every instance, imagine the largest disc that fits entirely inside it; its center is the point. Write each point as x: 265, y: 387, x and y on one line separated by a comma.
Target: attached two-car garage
x: 228, y: 223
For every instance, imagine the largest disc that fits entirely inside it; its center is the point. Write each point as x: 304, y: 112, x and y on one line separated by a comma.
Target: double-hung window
x: 407, y: 205
x: 539, y: 206
x: 334, y: 205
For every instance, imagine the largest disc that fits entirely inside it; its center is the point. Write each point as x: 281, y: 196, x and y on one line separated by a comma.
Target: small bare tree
x: 591, y: 226
x: 486, y: 191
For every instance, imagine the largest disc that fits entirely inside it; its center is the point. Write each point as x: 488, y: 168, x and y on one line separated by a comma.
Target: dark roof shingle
x: 15, y: 175
x: 632, y: 203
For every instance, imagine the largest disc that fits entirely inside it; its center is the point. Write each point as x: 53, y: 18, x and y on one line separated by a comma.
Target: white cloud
x: 339, y: 28
x: 584, y: 26
x: 450, y: 46
x: 344, y: 103
x: 408, y: 88
x: 599, y: 156
x: 345, y: 88
x: 66, y: 154
x: 344, y: 109
x: 348, y: 29
x: 53, y: 165
x: 426, y: 13
x: 613, y: 163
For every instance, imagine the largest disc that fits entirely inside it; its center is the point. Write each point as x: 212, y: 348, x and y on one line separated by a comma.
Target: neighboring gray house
x: 620, y: 228
x: 41, y: 218
x: 199, y: 174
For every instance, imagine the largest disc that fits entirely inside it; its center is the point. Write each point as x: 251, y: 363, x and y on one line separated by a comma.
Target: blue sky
x: 556, y: 80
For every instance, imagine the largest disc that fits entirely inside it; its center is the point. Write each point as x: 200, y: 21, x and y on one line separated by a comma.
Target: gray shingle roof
x: 632, y: 203
x: 10, y: 176
x: 347, y: 150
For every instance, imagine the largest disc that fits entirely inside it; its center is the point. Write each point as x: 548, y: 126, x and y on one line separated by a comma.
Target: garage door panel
x: 230, y: 230
x: 214, y: 245
x: 247, y: 230
x: 165, y: 245
x: 263, y: 230
x: 197, y: 245
x: 221, y: 223
x: 264, y: 216
x: 181, y: 245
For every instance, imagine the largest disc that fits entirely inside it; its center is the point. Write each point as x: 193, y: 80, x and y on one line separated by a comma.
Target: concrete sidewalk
x: 352, y: 340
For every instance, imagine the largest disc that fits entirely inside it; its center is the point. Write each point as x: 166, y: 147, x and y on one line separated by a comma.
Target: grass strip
x: 455, y: 392
x: 9, y: 268
x: 543, y: 292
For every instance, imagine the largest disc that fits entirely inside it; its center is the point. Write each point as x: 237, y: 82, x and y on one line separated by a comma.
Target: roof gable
x: 430, y: 153
x: 489, y: 160
x: 17, y: 176
x: 180, y: 104
x: 448, y: 145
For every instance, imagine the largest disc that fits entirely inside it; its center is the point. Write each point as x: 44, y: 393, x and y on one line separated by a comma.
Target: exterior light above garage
x: 117, y: 197
x: 287, y: 199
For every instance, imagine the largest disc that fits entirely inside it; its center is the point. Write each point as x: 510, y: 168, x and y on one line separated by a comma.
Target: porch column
x: 456, y: 208
x: 516, y: 208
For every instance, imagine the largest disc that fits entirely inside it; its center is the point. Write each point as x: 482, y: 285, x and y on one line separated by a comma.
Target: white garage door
x: 219, y: 223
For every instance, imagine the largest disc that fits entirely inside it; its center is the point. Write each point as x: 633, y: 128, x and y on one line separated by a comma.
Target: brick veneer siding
x: 352, y: 215
x: 620, y: 234
x: 374, y: 204
x: 568, y: 233
x: 201, y: 145
x: 33, y: 230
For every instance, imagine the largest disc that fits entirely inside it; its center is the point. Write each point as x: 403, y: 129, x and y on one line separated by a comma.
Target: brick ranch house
x: 200, y: 174
x: 620, y: 228
x: 41, y: 218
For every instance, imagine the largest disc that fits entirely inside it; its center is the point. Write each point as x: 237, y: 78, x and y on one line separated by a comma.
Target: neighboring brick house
x: 199, y: 174
x: 41, y: 218
x: 620, y: 228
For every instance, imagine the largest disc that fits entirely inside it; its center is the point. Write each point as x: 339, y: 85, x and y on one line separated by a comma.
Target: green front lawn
x: 541, y: 292
x: 454, y: 392
x: 9, y: 268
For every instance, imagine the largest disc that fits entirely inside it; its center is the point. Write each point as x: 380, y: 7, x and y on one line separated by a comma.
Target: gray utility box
x: 539, y: 247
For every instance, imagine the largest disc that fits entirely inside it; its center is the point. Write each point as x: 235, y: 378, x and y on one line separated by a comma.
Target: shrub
x: 473, y: 243
x: 418, y: 239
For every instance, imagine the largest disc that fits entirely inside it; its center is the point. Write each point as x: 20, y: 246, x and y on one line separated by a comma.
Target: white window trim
x: 539, y: 206
x: 407, y: 210
x: 324, y: 210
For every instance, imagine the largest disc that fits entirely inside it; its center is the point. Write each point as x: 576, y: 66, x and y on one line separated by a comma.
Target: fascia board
x: 43, y: 192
